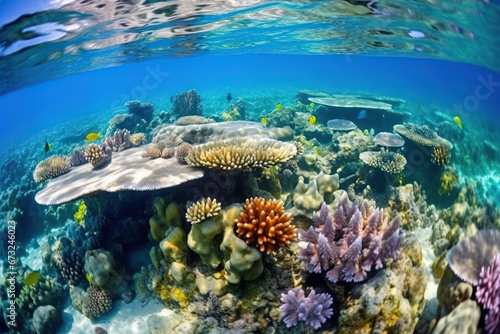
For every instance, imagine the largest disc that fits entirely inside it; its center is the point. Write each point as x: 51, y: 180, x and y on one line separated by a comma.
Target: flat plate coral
x: 126, y: 171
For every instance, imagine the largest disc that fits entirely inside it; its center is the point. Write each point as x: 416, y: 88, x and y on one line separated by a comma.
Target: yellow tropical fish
x: 32, y: 278
x: 458, y: 121
x: 264, y: 120
x: 87, y: 277
x: 278, y: 106
x: 312, y: 119
x: 92, y: 136
x: 47, y: 146
x: 311, y: 104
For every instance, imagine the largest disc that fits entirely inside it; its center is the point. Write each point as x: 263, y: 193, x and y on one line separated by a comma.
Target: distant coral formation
x: 314, y: 309
x: 144, y: 110
x: 385, y: 160
x: 98, y: 155
x: 264, y: 224
x: 50, y: 168
x: 349, y: 242
x: 119, y: 141
x: 242, y: 154
x: 188, y: 103
x: 203, y: 209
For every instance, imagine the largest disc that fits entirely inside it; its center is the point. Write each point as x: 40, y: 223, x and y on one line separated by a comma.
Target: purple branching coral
x: 488, y: 294
x: 314, y: 309
x: 350, y: 242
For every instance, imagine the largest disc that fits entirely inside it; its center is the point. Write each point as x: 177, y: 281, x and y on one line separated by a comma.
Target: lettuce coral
x: 349, y: 242
x: 264, y: 224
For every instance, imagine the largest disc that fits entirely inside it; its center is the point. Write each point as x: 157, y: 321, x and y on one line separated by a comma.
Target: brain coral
x: 241, y: 154
x: 468, y: 257
x: 387, y: 161
x: 264, y: 224
x: 203, y: 209
x: 51, y: 167
x: 97, y: 303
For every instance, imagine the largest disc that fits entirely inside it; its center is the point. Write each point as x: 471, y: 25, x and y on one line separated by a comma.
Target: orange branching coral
x: 264, y: 224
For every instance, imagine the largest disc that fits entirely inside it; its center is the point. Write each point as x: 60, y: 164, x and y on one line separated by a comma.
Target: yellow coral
x: 203, y: 209
x: 79, y: 216
x: 449, y: 181
x: 179, y: 296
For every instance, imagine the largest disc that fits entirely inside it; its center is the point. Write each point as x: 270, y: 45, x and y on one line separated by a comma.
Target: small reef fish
x: 362, y: 114
x: 312, y: 119
x: 278, y: 106
x: 311, y: 104
x: 87, y: 277
x: 92, y: 136
x: 47, y: 147
x: 229, y: 97
x: 32, y: 278
x: 458, y: 121
x: 264, y: 120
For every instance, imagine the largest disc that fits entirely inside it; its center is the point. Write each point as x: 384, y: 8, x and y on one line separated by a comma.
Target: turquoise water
x: 144, y: 141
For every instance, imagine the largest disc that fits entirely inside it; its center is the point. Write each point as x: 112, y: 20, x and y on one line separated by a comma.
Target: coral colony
x: 257, y: 219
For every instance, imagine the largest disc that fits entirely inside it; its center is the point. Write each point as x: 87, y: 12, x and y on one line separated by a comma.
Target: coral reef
x: 242, y: 154
x: 50, y: 168
x: 174, y: 135
x: 352, y: 241
x: 449, y: 181
x: 167, y: 215
x: 188, y: 103
x: 97, y: 303
x: 183, y: 152
x: 97, y: 155
x: 71, y: 266
x: 468, y: 257
x: 103, y: 271
x: 119, y: 141
x: 193, y: 119
x: 463, y: 319
x: 77, y: 158
x: 314, y: 309
x: 148, y: 175
x: 392, y: 300
x: 385, y: 160
x: 265, y: 225
x: 143, y: 110
x: 201, y: 210
x: 307, y: 198
x: 137, y: 139
x: 488, y: 294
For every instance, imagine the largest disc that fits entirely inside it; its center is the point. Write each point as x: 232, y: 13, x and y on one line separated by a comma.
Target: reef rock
x: 46, y: 319
x: 463, y: 319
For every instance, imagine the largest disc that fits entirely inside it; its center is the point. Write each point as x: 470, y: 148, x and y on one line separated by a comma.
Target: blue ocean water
x: 161, y: 160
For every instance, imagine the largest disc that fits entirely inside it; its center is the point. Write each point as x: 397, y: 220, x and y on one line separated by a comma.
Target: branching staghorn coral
x: 50, y: 168
x: 314, y: 309
x: 242, y: 154
x: 119, y: 141
x: 98, y: 155
x: 349, y: 242
x: 385, y: 160
x: 264, y: 224
x: 203, y: 209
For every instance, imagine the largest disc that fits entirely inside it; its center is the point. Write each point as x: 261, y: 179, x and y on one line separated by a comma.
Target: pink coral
x: 347, y: 244
x: 488, y: 294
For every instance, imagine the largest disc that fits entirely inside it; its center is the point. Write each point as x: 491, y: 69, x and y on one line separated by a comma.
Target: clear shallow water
x: 69, y: 67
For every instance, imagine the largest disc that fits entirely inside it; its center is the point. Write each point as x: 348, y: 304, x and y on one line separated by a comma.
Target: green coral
x: 166, y: 216
x: 449, y: 181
